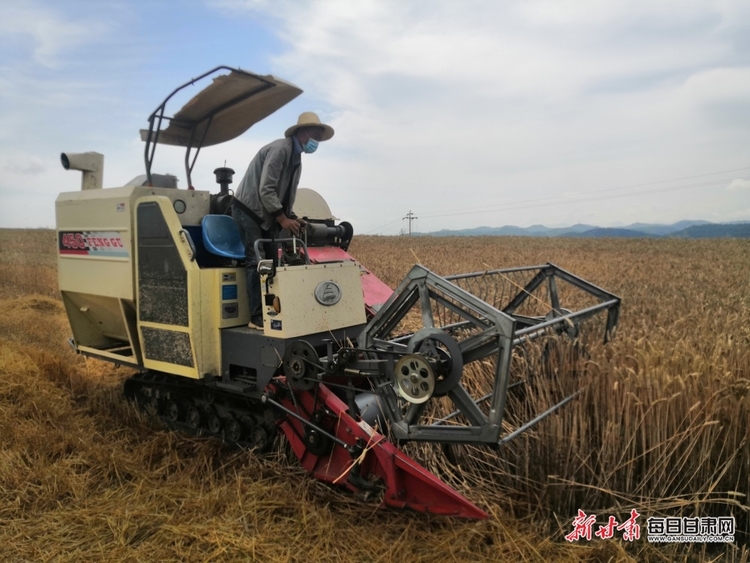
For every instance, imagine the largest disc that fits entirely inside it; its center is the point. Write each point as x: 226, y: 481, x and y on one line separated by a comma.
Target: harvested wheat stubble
x: 662, y: 426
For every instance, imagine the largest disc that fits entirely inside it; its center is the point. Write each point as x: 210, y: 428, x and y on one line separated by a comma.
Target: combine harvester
x: 152, y: 277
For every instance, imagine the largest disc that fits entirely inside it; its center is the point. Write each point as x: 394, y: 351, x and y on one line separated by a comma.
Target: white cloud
x: 455, y: 110
x: 21, y: 164
x: 512, y: 101
x: 719, y: 85
x: 739, y: 184
x: 51, y: 32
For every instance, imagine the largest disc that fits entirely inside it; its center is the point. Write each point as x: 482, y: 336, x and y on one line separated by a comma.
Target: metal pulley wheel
x: 414, y: 378
x: 443, y: 353
x: 300, y: 365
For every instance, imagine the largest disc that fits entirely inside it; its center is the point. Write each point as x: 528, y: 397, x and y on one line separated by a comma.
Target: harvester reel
x: 439, y: 347
x: 415, y: 380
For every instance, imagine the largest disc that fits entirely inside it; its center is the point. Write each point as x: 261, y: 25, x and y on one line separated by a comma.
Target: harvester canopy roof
x: 225, y: 109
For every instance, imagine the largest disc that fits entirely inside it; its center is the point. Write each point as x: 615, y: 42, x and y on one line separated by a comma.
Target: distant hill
x: 741, y: 230
x: 681, y: 229
x: 510, y: 230
x: 661, y: 230
x: 610, y: 232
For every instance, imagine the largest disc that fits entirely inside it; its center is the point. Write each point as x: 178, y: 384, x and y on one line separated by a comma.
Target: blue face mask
x: 310, y: 146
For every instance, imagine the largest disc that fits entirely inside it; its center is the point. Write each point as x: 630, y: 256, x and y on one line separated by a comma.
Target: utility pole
x: 411, y: 217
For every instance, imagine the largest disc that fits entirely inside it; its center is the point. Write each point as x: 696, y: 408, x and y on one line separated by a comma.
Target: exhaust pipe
x: 91, y: 165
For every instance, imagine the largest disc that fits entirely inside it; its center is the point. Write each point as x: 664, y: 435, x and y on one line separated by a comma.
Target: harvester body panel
x: 312, y: 298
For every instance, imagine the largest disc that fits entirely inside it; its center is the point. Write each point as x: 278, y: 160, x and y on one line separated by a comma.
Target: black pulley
x: 301, y: 365
x: 443, y: 352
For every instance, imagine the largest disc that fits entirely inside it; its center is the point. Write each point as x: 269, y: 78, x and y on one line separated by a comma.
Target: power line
x: 558, y: 199
x: 514, y: 206
x: 388, y: 224
x: 535, y: 201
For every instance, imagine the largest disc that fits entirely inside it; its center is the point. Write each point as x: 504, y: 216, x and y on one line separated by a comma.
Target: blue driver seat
x: 222, y: 237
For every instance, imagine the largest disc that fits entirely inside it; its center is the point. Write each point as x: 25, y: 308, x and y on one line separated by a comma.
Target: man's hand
x: 292, y: 225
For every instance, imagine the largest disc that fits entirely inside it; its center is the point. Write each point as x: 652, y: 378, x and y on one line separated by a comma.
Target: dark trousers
x: 250, y: 231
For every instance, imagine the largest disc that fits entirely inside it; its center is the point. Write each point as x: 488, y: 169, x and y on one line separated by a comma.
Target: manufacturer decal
x: 92, y: 243
x: 328, y: 293
x: 275, y: 325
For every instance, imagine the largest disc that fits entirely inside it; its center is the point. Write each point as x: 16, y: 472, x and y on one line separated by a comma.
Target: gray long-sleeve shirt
x: 269, y: 186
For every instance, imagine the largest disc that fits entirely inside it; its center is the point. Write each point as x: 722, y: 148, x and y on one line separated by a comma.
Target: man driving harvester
x: 264, y: 199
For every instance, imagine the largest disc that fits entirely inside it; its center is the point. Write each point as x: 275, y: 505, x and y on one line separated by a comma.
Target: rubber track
x: 249, y: 412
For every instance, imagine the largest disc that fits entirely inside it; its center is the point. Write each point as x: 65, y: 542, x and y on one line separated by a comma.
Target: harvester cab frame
x: 237, y: 101
x: 152, y: 277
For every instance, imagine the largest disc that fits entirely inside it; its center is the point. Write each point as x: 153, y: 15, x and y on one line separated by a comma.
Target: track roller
x: 213, y: 422
x: 171, y: 411
x: 232, y: 430
x: 193, y: 418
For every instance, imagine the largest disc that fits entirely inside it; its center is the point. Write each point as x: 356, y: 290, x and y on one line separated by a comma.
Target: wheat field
x: 662, y: 426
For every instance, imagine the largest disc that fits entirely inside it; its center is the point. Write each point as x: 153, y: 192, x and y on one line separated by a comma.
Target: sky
x: 466, y: 114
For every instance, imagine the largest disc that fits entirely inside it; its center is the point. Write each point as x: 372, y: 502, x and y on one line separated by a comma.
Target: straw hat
x: 309, y: 119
